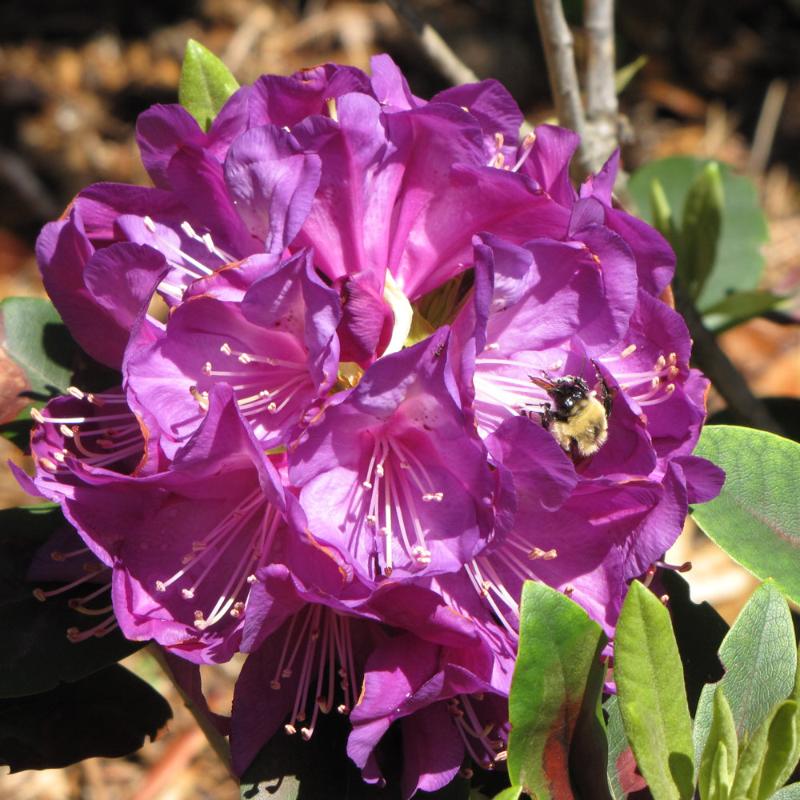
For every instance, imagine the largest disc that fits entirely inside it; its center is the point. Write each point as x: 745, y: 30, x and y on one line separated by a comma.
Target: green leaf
x: 18, y: 431
x: 760, y: 660
x: 700, y: 228
x: 619, y: 753
x: 559, y: 654
x: 652, y: 698
x: 722, y: 734
x: 663, y: 218
x: 765, y: 746
x: 624, y: 75
x: 512, y: 793
x: 36, y: 338
x: 780, y: 758
x: 739, y: 261
x: 720, y: 778
x: 36, y: 655
x: 739, y: 307
x: 756, y: 517
x: 107, y: 714
x: 205, y: 84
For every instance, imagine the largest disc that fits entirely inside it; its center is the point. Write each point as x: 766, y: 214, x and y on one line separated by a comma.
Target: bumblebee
x: 576, y: 417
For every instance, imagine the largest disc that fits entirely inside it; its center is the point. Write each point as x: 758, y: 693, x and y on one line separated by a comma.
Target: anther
x: 207, y: 368
x: 200, y: 397
x: 187, y: 594
x: 237, y: 610
x: 161, y: 586
x: 290, y: 729
x: 273, y: 684
x: 225, y: 348
x: 433, y: 497
x: 421, y: 554
x: 76, y: 392
x: 569, y: 589
x: 628, y: 351
x: 49, y: 465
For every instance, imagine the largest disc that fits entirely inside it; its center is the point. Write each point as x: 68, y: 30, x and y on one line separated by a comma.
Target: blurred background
x: 719, y: 80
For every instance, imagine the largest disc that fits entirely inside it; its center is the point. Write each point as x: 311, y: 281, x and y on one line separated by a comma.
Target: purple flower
x: 273, y: 342
x: 393, y: 475
x: 185, y: 543
x: 450, y: 704
x: 406, y: 366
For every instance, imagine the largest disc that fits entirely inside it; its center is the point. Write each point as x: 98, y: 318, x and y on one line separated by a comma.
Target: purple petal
x: 542, y: 471
x: 272, y: 184
x: 390, y: 86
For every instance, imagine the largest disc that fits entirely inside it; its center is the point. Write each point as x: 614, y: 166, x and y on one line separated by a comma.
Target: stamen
x: 525, y: 148
x: 164, y: 242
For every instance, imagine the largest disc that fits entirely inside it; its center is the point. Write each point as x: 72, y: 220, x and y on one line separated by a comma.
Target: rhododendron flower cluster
x: 335, y: 317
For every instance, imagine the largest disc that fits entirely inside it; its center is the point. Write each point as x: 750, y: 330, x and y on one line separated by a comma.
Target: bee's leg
x: 547, y: 416
x: 605, y: 391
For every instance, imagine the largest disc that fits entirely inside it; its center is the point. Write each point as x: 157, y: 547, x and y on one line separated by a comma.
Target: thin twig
x: 559, y: 55
x: 602, y: 110
x: 217, y: 741
x: 719, y: 369
x: 768, y: 120
x: 437, y: 50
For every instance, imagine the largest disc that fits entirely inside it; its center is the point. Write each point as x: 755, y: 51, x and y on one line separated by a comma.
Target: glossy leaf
x: 700, y: 229
x: 760, y: 660
x: 36, y: 654
x: 107, y: 714
x: 559, y: 654
x: 756, y: 517
x: 652, y: 699
x: 205, y: 84
x: 36, y: 338
x: 721, y: 735
x: 739, y: 261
